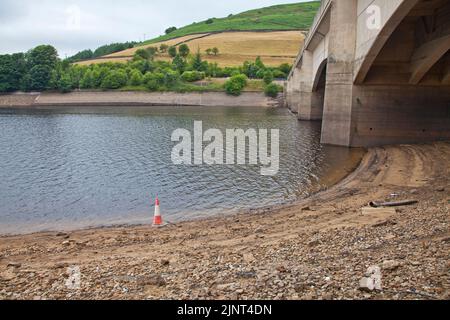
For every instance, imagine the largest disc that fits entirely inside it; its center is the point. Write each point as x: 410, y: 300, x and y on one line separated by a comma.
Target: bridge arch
x: 371, y: 42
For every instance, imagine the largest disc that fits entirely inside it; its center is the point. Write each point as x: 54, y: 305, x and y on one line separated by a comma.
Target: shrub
x: 170, y: 30
x: 115, y: 80
x: 285, y: 68
x: 136, y: 78
x: 210, y: 21
x: 64, y: 84
x: 278, y: 74
x: 272, y: 90
x: 141, y: 54
x: 163, y: 48
x: 173, y: 52
x: 191, y: 76
x: 268, y: 77
x: 87, y: 82
x: 236, y: 84
x: 184, y: 50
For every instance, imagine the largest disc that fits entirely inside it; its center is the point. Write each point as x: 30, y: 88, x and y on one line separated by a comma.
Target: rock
x: 63, y: 235
x: 440, y: 189
x: 281, y: 269
x: 390, y: 265
x: 165, y: 262
x: 14, y: 265
x: 157, y: 281
x: 248, y: 257
x: 313, y: 243
x: 366, y: 284
x: 246, y: 274
x: 306, y: 209
x: 66, y: 243
x: 372, y: 280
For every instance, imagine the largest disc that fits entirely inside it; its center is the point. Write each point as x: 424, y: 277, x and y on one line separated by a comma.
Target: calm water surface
x: 69, y: 169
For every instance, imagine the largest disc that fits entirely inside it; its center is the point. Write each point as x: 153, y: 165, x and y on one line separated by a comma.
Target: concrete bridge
x: 375, y: 72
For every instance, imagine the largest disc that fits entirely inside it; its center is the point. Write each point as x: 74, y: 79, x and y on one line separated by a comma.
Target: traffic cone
x: 157, y: 220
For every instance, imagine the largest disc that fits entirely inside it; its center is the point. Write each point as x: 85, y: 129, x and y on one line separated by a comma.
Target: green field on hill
x: 280, y: 17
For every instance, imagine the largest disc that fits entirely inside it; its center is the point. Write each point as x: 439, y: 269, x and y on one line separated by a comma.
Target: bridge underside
x: 396, y: 91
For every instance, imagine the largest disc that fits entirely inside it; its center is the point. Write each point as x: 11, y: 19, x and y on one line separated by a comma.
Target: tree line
x: 40, y: 69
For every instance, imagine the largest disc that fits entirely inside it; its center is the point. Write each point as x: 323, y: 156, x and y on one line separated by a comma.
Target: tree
x: 152, y: 52
x: 43, y: 56
x: 259, y: 64
x: 87, y: 82
x: 268, y: 77
x: 40, y: 76
x: 170, y: 30
x: 136, y: 78
x: 163, y: 48
x: 184, y: 50
x: 173, y: 51
x: 215, y: 51
x: 198, y: 64
x: 12, y: 70
x: 179, y: 63
x: 41, y: 61
x: 115, y: 80
x: 208, y: 51
x: 64, y: 84
x: 210, y: 21
x: 141, y: 54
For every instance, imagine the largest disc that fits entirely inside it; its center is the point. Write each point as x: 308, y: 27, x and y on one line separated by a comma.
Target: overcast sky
x: 75, y: 25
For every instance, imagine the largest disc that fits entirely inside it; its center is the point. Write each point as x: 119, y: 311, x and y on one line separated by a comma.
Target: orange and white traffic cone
x: 157, y: 220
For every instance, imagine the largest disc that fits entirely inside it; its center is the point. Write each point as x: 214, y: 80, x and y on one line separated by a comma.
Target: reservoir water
x: 86, y: 167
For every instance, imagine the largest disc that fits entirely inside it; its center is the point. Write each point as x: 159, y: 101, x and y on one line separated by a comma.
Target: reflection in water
x: 74, y: 168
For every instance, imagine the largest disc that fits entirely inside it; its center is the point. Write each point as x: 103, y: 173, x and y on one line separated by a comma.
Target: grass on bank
x: 296, y: 16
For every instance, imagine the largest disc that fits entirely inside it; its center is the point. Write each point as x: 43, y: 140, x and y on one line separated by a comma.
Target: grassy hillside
x: 273, y: 33
x: 295, y: 16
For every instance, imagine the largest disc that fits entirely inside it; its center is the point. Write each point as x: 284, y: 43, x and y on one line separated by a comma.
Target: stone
x: 157, y: 281
x: 248, y: 257
x: 14, y: 265
x: 390, y: 265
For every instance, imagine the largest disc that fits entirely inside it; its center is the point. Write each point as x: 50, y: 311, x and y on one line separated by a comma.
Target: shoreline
x: 135, y: 98
x: 332, y: 181
x: 318, y: 248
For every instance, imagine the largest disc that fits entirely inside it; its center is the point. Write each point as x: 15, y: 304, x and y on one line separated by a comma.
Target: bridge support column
x: 293, y: 92
x: 337, y: 125
x: 309, y: 100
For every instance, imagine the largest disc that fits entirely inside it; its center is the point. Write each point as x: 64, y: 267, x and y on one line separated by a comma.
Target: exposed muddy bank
x: 319, y: 248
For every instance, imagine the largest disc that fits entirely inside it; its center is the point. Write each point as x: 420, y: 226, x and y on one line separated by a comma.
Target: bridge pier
x: 376, y: 84
x: 337, y: 115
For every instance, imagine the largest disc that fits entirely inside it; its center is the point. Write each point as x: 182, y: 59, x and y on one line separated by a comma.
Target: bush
x: 136, y: 78
x: 278, y: 74
x: 141, y: 54
x: 210, y: 21
x: 285, y: 68
x: 236, y: 84
x: 272, y: 90
x: 191, y: 76
x: 268, y: 77
x: 184, y: 50
x: 171, y: 29
x: 115, y: 80
x: 173, y: 52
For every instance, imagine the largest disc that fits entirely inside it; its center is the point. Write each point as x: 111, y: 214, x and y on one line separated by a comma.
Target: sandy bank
x: 113, y: 98
x: 316, y: 249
